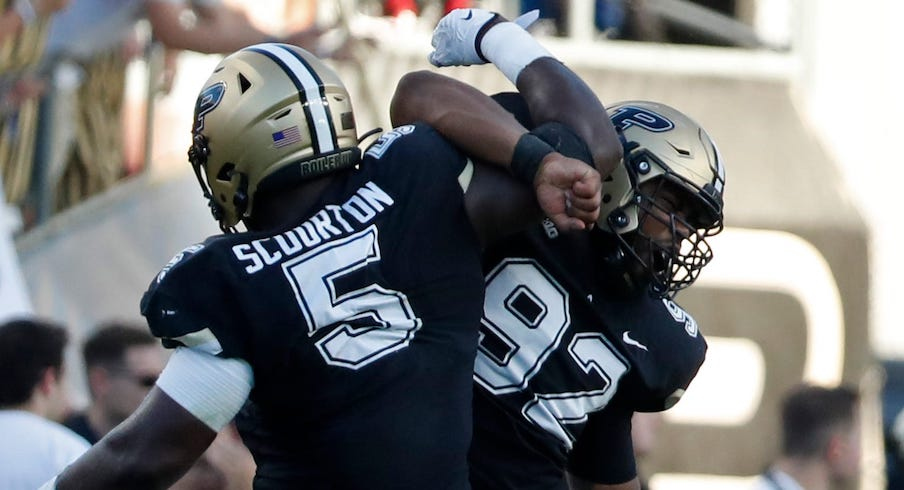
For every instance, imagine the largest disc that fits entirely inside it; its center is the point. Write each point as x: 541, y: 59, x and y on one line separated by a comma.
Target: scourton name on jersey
x: 345, y: 315
x: 564, y: 361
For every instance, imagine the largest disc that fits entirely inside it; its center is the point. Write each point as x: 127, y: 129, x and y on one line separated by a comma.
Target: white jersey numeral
x: 367, y: 321
x: 526, y: 314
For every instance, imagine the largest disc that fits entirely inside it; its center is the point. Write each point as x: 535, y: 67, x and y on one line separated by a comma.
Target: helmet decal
x: 208, y: 100
x: 627, y: 116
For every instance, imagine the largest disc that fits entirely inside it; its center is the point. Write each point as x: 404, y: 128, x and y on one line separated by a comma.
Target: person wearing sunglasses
x: 122, y: 363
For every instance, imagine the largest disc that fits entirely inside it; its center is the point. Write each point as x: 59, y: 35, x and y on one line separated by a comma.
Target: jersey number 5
x: 367, y: 321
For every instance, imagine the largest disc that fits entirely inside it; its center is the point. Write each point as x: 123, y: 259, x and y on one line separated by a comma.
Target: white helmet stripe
x: 309, y: 88
x: 720, y: 169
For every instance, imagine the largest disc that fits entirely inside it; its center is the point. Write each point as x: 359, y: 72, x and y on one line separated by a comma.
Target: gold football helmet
x: 667, y: 158
x: 270, y: 116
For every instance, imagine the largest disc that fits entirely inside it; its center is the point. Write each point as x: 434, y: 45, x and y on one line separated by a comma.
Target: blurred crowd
x: 121, y: 364
x: 63, y: 132
x: 66, y: 132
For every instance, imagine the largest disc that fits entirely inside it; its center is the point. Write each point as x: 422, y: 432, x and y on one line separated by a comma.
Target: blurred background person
x: 820, y: 440
x: 613, y: 19
x: 406, y: 11
x: 33, y: 398
x: 23, y: 28
x: 122, y: 363
x: 226, y: 465
x: 644, y: 433
x: 16, y: 15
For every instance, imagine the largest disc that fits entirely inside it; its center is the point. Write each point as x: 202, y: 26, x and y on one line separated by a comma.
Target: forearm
x: 152, y: 448
x: 118, y: 462
x: 554, y: 92
x: 213, y: 31
x: 462, y: 114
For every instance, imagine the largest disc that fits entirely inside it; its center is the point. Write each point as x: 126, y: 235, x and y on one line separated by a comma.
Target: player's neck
x: 283, y: 208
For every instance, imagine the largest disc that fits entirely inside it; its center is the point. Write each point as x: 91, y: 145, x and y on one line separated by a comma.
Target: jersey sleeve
x: 188, y: 304
x: 667, y: 372
x: 421, y: 154
x: 604, y: 452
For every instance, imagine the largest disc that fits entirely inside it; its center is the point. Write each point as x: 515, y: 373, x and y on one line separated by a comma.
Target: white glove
x: 455, y: 39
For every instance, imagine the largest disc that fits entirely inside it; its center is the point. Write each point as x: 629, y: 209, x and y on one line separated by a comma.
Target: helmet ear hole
x: 225, y: 173
x: 244, y: 83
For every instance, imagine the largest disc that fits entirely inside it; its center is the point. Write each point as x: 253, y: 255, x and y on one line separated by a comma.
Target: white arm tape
x: 511, y: 48
x: 211, y: 388
x: 50, y: 485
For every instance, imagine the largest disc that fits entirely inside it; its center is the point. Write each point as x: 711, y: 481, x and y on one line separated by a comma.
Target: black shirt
x: 78, y: 423
x: 566, y: 356
x: 359, y: 322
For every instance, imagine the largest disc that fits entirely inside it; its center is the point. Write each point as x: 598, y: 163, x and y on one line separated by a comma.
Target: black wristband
x: 564, y: 140
x: 529, y: 153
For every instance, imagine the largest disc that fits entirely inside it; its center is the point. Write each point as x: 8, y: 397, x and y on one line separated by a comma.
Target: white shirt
x: 34, y: 449
x: 776, y: 480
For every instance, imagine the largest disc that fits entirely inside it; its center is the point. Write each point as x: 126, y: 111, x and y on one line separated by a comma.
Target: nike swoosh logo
x: 470, y: 14
x: 628, y: 340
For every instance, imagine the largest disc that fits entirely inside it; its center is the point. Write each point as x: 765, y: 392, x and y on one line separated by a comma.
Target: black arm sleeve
x: 560, y: 136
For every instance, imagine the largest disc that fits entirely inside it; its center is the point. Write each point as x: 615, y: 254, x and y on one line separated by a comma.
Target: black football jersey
x: 360, y: 322
x: 564, y: 360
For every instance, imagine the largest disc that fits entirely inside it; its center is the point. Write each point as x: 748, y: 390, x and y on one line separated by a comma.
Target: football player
x: 341, y: 327
x: 580, y: 330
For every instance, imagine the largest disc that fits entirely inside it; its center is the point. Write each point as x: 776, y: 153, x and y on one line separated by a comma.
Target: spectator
x: 33, y: 398
x: 97, y: 38
x: 410, y: 8
x: 122, y: 363
x: 644, y: 434
x: 23, y: 26
x: 820, y: 440
x: 20, y: 14
x: 613, y: 19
